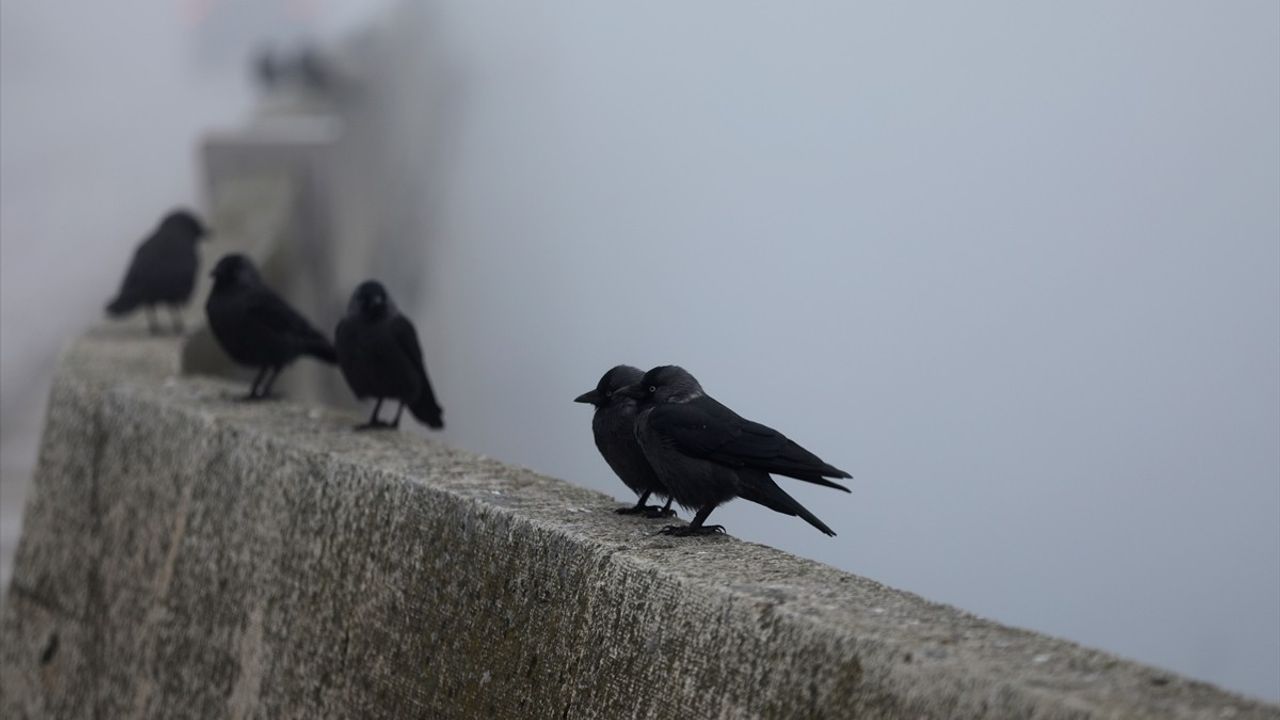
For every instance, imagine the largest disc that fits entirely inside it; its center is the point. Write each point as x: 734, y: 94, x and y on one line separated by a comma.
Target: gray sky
x: 1016, y: 267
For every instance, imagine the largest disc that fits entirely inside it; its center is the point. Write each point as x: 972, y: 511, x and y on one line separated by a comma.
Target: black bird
x: 315, y: 70
x: 380, y: 357
x: 266, y: 68
x: 163, y: 270
x: 706, y: 454
x: 614, y: 427
x: 256, y: 327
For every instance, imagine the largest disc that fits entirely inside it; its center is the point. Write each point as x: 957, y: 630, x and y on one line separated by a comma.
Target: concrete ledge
x: 186, y: 555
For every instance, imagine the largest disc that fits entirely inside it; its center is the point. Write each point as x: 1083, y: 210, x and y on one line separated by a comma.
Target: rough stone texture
x: 187, y: 555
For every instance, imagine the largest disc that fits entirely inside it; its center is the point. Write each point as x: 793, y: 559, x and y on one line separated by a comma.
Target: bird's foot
x: 251, y: 397
x: 632, y: 509
x: 689, y: 530
x: 374, y: 425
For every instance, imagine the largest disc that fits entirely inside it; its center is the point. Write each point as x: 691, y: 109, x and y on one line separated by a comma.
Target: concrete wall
x: 188, y: 555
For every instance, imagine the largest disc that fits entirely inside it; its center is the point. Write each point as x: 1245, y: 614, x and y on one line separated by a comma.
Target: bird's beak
x: 591, y: 397
x: 630, y: 391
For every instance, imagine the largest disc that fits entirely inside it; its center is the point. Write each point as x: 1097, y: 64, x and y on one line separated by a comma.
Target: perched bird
x: 380, y: 357
x: 706, y: 454
x: 256, y: 327
x: 163, y: 270
x: 266, y: 68
x: 315, y: 70
x: 614, y: 427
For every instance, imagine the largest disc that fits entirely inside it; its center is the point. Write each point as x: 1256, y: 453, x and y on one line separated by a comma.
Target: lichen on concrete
x: 188, y: 555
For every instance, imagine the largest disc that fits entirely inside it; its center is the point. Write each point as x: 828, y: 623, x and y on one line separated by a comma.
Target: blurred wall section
x: 101, y: 106
x: 1014, y: 267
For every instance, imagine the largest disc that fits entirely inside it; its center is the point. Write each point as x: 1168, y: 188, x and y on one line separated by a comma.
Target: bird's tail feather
x: 814, y: 478
x: 426, y: 409
x: 121, y: 304
x: 760, y: 488
x: 321, y: 349
x: 794, y: 461
x: 829, y: 470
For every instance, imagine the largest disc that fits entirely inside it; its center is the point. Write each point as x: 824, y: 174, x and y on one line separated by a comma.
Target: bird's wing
x: 274, y: 316
x: 344, y: 342
x: 758, y: 487
x: 342, y: 333
x: 425, y: 408
x: 407, y: 340
x: 269, y: 310
x: 140, y: 266
x: 704, y: 428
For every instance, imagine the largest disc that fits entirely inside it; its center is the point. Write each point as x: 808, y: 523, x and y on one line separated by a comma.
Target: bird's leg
x: 253, y: 389
x: 395, y: 422
x: 178, y: 329
x: 374, y: 423
x: 653, y: 511
x: 265, y: 391
x: 638, y: 508
x: 696, y: 527
x: 153, y: 326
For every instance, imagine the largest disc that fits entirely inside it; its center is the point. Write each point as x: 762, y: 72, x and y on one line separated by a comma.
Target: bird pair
x: 663, y: 435
x: 375, y: 346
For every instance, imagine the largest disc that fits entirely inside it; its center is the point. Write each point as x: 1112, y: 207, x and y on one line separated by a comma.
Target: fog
x: 1016, y: 268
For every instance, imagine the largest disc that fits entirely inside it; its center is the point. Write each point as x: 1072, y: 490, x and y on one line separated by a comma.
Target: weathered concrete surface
x: 187, y: 555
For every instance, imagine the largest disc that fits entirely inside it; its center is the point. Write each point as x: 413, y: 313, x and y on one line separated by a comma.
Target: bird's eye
x: 653, y: 389
x: 608, y: 393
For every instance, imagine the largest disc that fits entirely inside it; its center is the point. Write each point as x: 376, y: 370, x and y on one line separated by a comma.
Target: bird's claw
x: 689, y: 530
x: 374, y: 425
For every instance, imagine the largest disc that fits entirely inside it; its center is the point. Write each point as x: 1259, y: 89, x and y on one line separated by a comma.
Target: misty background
x: 1016, y: 268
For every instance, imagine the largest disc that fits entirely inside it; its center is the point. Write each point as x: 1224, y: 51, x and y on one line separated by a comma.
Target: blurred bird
x: 163, y: 270
x: 308, y: 68
x: 380, y: 357
x: 256, y: 327
x: 614, y: 427
x: 315, y: 70
x: 706, y: 454
x: 266, y: 68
